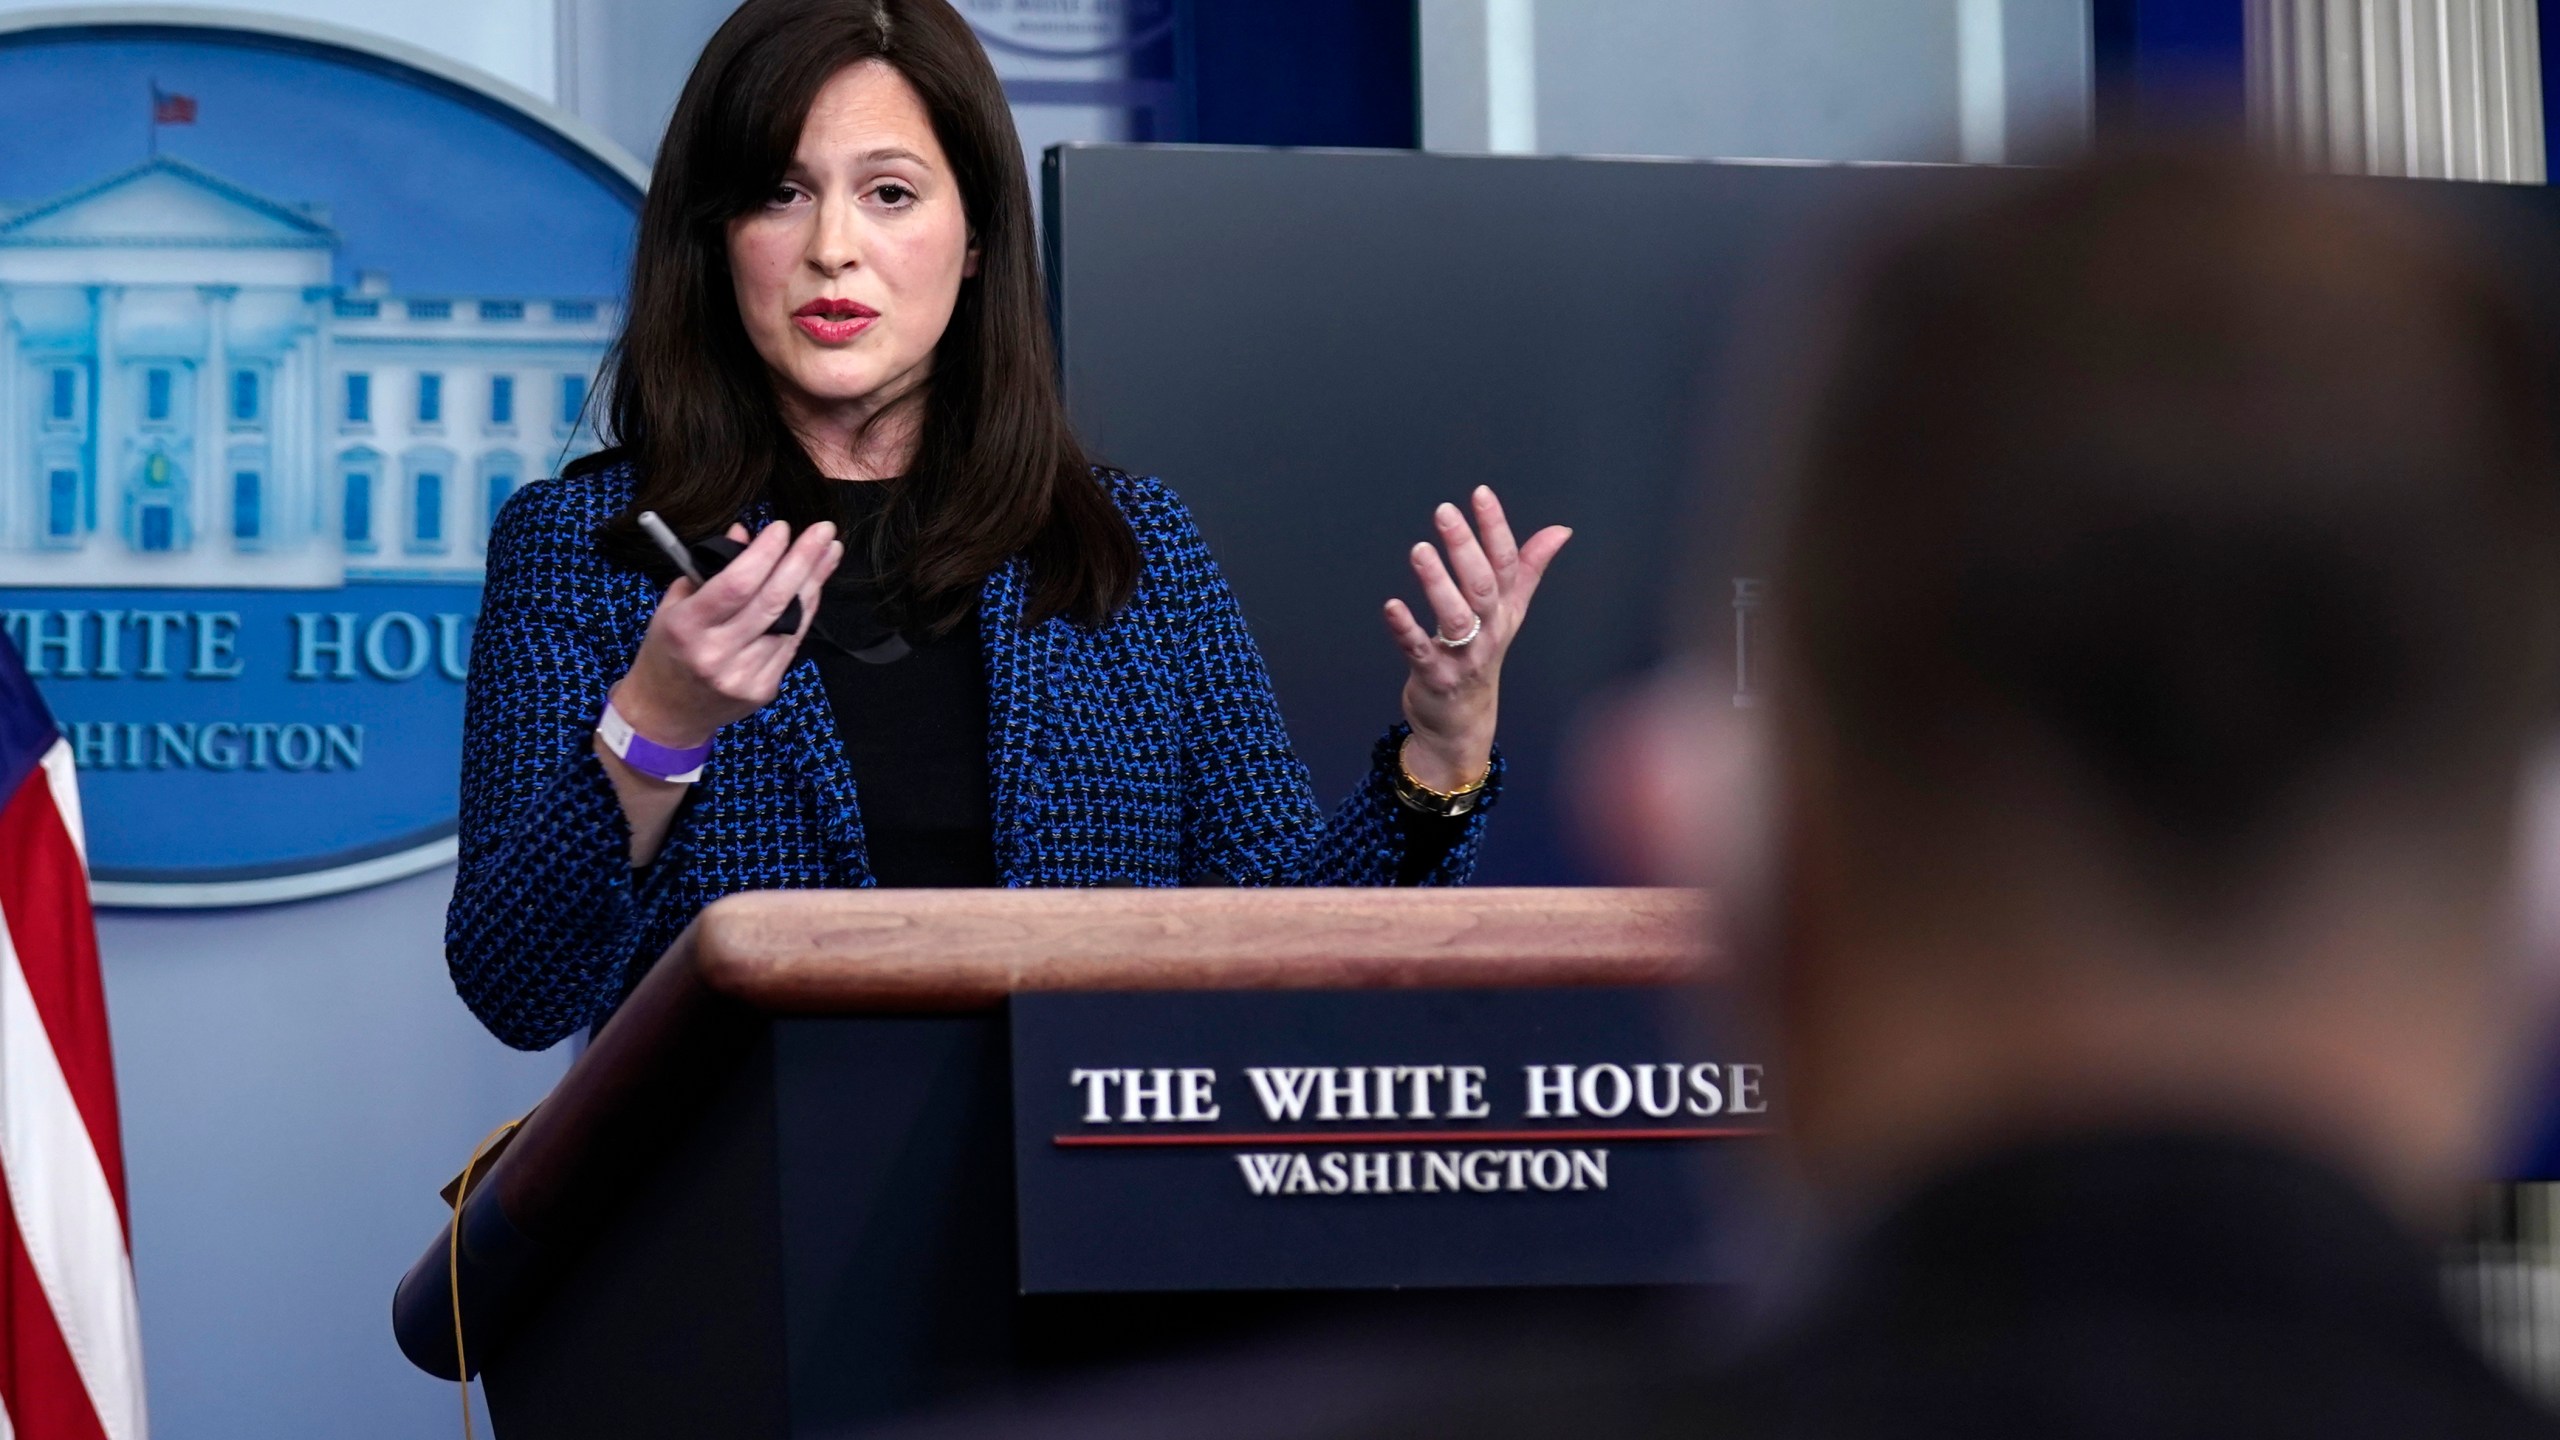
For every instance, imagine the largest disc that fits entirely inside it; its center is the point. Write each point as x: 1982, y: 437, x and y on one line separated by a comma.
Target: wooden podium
x: 775, y: 1196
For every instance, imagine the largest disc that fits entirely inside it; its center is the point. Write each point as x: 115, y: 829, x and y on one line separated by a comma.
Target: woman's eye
x: 782, y: 195
x: 894, y: 194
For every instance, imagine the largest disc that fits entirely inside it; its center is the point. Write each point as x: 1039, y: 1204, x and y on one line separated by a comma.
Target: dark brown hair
x: 2229, y: 492
x: 997, y: 470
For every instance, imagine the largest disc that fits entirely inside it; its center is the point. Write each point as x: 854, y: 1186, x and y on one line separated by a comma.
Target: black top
x: 2113, y: 1287
x: 911, y: 708
x: 2130, y: 1285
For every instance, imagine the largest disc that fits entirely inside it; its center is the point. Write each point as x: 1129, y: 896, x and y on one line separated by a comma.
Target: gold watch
x: 1447, y: 804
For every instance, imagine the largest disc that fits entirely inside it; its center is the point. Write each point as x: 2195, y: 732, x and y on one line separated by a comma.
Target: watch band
x: 661, y: 762
x: 1423, y: 800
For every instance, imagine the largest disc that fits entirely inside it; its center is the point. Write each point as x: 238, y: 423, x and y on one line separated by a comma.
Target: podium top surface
x: 833, y: 951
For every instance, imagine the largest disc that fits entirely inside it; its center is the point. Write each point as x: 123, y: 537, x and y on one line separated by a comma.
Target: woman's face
x: 847, y: 274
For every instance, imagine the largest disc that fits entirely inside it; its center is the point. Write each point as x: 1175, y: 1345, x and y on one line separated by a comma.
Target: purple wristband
x: 647, y: 756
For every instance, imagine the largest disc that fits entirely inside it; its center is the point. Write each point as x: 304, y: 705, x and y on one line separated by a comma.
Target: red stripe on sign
x: 39, y: 1385
x: 44, y: 896
x: 1408, y: 1137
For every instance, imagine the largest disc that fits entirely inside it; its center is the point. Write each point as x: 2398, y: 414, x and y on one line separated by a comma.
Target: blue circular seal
x: 285, y: 315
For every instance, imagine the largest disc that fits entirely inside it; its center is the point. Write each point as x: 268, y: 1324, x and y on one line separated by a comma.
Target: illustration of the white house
x: 186, y: 398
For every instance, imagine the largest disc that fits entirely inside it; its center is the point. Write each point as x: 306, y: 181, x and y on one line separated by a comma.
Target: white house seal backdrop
x: 282, y: 324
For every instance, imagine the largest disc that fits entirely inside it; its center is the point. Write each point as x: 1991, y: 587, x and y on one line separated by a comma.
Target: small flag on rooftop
x: 170, y: 108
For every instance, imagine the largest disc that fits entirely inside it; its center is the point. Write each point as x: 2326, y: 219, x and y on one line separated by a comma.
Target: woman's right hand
x: 706, y: 660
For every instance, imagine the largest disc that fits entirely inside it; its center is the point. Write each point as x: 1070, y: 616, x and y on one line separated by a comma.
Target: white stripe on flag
x: 63, y: 779
x: 66, y: 1213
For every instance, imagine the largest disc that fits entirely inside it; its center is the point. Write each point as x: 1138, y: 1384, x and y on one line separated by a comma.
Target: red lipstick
x: 831, y: 321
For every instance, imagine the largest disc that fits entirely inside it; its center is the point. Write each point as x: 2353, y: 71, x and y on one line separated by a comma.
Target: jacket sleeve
x: 547, y: 913
x: 1250, y: 812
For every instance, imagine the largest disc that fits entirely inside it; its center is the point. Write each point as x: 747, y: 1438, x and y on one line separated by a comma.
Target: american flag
x: 168, y: 107
x: 70, y: 1339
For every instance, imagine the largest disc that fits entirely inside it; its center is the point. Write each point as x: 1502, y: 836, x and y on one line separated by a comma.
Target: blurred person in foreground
x: 2164, y: 637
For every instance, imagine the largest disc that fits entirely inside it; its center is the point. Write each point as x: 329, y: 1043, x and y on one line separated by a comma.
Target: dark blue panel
x: 1405, y: 1174
x: 26, y: 727
x: 1299, y: 72
x: 2549, y: 13
x: 2168, y: 61
x: 2537, y: 1150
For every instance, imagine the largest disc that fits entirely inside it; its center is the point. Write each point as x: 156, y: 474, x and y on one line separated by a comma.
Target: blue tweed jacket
x: 1149, y: 751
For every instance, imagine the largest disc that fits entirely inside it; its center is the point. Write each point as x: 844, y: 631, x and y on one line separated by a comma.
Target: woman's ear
x: 969, y: 262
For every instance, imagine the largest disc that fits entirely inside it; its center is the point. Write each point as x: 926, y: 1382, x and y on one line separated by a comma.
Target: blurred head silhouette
x: 2163, y: 632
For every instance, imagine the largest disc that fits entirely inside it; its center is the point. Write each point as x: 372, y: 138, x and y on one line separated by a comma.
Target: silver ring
x: 1463, y: 641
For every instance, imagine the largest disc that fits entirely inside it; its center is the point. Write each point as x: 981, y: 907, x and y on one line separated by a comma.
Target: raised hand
x: 1478, y: 597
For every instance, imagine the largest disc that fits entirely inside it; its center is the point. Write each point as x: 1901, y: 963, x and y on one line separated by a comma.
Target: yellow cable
x: 453, y: 1266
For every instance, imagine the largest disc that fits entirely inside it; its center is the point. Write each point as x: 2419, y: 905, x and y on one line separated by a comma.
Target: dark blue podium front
x: 1376, y: 1140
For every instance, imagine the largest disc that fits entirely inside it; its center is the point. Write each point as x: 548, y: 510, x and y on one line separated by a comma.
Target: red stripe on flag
x: 44, y: 896
x: 45, y: 1396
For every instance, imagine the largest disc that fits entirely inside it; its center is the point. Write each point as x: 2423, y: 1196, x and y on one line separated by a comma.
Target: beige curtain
x: 2444, y: 89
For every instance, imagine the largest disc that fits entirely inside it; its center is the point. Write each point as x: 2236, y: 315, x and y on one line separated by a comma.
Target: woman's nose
x: 836, y: 245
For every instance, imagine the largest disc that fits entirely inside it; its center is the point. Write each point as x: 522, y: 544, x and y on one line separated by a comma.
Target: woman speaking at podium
x: 952, y: 651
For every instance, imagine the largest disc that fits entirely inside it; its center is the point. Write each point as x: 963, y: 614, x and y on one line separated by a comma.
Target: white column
x: 1479, y: 76
x: 2444, y: 89
x: 17, y: 452
x: 321, y: 423
x: 209, y: 498
x: 107, y: 443
x: 1511, y: 76
x: 288, y: 449
x: 1982, y: 81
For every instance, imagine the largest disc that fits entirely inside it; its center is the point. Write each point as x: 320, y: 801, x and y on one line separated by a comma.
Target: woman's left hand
x: 1478, y: 595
